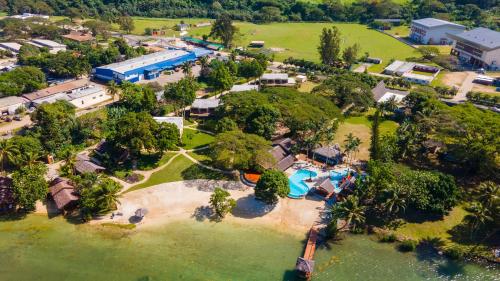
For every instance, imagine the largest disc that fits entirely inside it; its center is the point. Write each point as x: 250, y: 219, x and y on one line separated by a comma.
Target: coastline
x: 189, y: 200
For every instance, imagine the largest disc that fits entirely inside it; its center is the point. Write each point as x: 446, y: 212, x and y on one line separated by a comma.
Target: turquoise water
x: 37, y: 248
x: 298, y: 188
x: 336, y: 178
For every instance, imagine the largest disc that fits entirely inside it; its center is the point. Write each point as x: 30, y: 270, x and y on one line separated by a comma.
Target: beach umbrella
x: 141, y: 212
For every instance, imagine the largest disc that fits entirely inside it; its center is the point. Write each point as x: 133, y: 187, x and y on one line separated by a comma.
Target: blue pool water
x: 336, y: 178
x: 298, y: 187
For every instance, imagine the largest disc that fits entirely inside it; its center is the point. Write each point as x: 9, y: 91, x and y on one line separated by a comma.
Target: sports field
x: 299, y: 40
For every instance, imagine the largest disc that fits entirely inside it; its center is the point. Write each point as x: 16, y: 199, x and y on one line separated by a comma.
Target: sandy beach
x: 189, y: 200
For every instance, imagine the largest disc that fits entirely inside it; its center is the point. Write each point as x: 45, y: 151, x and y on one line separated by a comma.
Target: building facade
x: 144, y: 67
x: 434, y: 31
x: 479, y: 48
x: 54, y: 47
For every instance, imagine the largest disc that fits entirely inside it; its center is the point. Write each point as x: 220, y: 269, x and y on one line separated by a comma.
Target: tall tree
x: 8, y: 152
x: 181, y: 93
x: 224, y: 30
x: 351, y: 211
x: 375, y: 138
x: 126, y: 23
x: 329, y: 46
x: 350, y: 54
x: 29, y: 185
x: 220, y: 78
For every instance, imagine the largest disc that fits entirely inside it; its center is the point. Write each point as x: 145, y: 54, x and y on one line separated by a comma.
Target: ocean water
x: 37, y: 248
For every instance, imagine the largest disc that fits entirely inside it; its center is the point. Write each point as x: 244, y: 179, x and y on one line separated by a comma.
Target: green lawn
x: 402, y: 30
x: 433, y: 229
x: 298, y: 40
x: 194, y: 139
x: 152, y: 161
x: 181, y: 168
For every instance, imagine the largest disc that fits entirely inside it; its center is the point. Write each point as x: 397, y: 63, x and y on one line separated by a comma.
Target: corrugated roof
x: 61, y: 88
x: 8, y: 101
x: 273, y: 76
x: 484, y: 37
x: 432, y: 22
x: 48, y: 43
x: 143, y: 61
x: 205, y: 103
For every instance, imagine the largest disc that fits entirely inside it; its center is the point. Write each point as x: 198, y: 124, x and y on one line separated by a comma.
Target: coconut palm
x: 69, y: 162
x: 351, y: 211
x: 29, y: 158
x: 389, y: 105
x: 113, y: 89
x: 203, y: 62
x: 351, y: 144
x: 477, y: 217
x: 187, y: 68
x: 394, y: 202
x: 109, y: 196
x: 8, y: 153
x: 489, y: 193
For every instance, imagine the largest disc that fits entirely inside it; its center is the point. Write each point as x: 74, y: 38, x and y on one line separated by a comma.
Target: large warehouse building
x: 145, y: 67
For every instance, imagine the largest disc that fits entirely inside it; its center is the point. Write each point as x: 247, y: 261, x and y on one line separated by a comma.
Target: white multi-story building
x: 479, y: 47
x: 434, y: 31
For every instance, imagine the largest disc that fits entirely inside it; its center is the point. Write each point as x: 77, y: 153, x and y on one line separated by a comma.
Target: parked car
x: 8, y: 119
x: 17, y: 118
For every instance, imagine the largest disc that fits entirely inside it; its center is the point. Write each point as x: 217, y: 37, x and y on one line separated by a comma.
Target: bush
x: 454, y: 253
x: 388, y: 238
x: 408, y: 245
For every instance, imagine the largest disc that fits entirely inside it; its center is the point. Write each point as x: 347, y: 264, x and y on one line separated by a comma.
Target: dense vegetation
x: 473, y: 12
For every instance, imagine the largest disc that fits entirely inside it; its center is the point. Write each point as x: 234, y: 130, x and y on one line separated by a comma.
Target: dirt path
x: 465, y: 87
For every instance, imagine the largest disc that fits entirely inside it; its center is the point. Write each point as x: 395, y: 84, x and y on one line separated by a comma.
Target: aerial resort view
x: 250, y: 140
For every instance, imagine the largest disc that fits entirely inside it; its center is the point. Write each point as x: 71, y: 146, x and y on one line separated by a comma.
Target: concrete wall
x: 434, y: 35
x: 91, y: 100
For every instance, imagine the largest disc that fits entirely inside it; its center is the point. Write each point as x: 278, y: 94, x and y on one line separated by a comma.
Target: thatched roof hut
x: 6, y: 194
x: 63, y: 192
x: 304, y: 267
x: 85, y: 165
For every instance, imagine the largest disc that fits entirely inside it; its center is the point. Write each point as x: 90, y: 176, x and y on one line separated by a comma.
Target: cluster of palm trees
x: 11, y: 155
x: 351, y: 149
x: 484, y: 214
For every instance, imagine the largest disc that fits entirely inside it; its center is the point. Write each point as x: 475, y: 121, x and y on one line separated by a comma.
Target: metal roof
x: 48, y: 43
x: 244, y: 88
x: 273, y: 76
x: 432, y: 22
x: 484, y: 37
x: 147, y: 60
x: 86, y: 92
x: 177, y: 121
x: 205, y: 103
x: 8, y: 101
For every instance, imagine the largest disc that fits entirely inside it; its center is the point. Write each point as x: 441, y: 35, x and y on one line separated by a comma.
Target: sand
x: 189, y: 200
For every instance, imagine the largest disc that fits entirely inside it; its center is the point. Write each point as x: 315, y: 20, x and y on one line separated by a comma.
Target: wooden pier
x: 305, y: 264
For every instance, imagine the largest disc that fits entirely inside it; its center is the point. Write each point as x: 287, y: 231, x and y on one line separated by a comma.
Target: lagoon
x: 37, y: 248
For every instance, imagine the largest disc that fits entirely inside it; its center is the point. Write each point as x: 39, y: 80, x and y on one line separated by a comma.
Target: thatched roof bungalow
x: 63, y: 193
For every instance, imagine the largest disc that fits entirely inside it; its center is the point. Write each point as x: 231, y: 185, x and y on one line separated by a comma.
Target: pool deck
x: 321, y: 173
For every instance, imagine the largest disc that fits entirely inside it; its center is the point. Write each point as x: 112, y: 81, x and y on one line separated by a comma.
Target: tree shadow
x: 414, y: 216
x: 202, y: 213
x: 291, y: 275
x: 249, y: 207
x: 13, y: 216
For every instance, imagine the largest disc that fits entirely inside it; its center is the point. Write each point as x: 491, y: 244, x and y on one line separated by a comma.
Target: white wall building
x: 53, y: 46
x: 88, y: 97
x: 434, y: 31
x: 9, y: 105
x: 479, y: 47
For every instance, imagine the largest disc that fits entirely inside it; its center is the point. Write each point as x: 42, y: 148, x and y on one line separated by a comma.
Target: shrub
x: 408, y: 245
x: 454, y: 253
x: 388, y: 238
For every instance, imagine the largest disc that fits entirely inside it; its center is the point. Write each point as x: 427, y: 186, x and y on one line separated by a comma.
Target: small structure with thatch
x: 325, y: 187
x: 63, y: 193
x: 7, y: 202
x: 305, y: 264
x: 85, y: 165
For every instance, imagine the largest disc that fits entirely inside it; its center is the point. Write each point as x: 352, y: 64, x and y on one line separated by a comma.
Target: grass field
x: 181, y: 168
x: 433, y: 229
x: 360, y: 126
x: 298, y: 40
x: 194, y: 139
x: 402, y: 30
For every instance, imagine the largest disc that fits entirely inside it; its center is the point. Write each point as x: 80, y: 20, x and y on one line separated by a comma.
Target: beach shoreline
x: 189, y: 201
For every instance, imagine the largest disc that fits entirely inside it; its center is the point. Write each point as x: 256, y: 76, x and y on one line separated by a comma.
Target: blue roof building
x: 144, y: 67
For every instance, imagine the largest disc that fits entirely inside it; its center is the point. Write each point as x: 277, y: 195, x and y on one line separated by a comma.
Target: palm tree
x: 395, y: 201
x: 477, y: 217
x: 351, y: 211
x: 203, y: 62
x: 109, y: 197
x: 69, y: 162
x: 389, y: 105
x: 489, y: 193
x: 29, y: 158
x: 8, y: 153
x: 187, y: 68
x: 113, y: 89
x: 351, y: 144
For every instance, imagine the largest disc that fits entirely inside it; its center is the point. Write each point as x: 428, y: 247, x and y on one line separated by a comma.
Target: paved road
x: 466, y: 87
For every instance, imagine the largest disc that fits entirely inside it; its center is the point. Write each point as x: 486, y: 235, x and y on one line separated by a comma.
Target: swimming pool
x: 336, y: 178
x: 298, y: 188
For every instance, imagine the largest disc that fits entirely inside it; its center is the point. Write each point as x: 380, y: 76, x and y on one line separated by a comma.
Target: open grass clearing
x: 434, y: 229
x: 307, y: 86
x: 299, y: 40
x: 192, y: 139
x: 360, y: 126
x: 401, y: 31
x: 181, y: 168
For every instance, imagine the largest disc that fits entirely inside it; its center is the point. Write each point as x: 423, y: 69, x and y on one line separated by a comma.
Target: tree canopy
x: 272, y: 184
